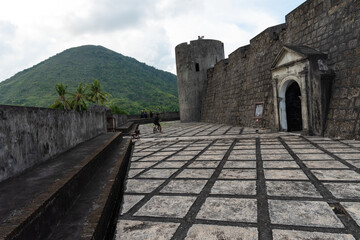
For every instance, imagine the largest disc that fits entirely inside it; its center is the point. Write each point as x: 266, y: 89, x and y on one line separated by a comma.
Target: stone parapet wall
x: 170, y: 116
x: 120, y: 119
x: 329, y: 26
x: 29, y: 135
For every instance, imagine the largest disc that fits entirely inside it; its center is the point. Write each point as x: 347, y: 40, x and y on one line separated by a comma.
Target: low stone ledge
x: 100, y: 220
x: 37, y: 217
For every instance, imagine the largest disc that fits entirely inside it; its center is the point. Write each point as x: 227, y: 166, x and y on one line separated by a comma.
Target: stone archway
x: 290, y: 110
x: 302, y: 86
x: 293, y: 107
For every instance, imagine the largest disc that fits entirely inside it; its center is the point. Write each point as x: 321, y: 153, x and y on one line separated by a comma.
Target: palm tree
x: 78, y: 98
x: 62, y: 102
x: 96, y: 94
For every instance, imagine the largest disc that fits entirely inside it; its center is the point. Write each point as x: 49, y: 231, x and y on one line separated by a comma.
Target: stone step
x: 49, y: 189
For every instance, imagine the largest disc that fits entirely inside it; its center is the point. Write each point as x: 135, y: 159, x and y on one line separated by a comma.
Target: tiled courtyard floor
x: 210, y: 181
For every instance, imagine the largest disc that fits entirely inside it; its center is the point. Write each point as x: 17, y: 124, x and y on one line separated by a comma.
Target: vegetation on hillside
x: 117, y: 110
x: 134, y: 86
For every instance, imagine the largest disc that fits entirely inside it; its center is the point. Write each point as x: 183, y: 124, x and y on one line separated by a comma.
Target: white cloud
x: 109, y: 15
x: 7, y: 30
x: 148, y: 30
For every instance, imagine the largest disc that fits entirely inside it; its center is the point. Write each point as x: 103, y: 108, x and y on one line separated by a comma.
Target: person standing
x: 157, y: 122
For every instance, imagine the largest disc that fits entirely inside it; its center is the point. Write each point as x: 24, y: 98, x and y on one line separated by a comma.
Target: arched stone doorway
x: 302, y: 86
x: 290, y: 110
x: 293, y: 107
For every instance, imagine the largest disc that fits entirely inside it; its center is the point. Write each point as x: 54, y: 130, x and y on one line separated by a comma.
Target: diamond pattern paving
x: 209, y: 181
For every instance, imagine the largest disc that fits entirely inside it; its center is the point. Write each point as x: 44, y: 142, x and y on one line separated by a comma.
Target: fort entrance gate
x: 290, y: 102
x: 301, y: 85
x: 293, y: 107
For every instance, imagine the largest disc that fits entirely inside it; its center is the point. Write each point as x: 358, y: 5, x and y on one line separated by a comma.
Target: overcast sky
x: 148, y: 30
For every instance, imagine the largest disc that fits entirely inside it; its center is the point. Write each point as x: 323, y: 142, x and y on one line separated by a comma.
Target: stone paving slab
x: 229, y: 209
x: 291, y: 189
x: 234, y: 187
x: 209, y: 181
x: 344, y: 190
x: 146, y: 230
x: 166, y: 206
x: 213, y: 232
x: 353, y: 209
x: 303, y: 213
x: 301, y: 235
x: 184, y: 186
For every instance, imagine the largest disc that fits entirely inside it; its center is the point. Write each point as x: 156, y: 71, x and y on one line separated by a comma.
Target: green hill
x: 133, y: 85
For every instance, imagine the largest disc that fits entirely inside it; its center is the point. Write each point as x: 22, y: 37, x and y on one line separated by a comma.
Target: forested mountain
x: 133, y: 85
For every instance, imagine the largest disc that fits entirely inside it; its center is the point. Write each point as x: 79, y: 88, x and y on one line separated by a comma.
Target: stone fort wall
x: 30, y: 135
x: 237, y: 83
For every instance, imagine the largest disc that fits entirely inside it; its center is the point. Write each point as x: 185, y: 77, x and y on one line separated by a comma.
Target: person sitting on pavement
x: 136, y: 135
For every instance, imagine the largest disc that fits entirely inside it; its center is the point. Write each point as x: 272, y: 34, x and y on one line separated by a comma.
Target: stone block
x: 184, y: 186
x: 343, y: 175
x: 293, y: 189
x: 357, y: 102
x: 166, y: 206
x: 196, y: 173
x: 280, y: 164
x: 285, y: 174
x: 344, y: 190
x: 128, y: 229
x: 299, y: 213
x: 237, y: 174
x: 353, y: 44
x: 234, y: 187
x: 300, y: 235
x: 353, y: 209
x: 204, y: 164
x: 324, y: 164
x: 213, y: 232
x: 157, y: 173
x: 240, y: 164
x: 170, y: 164
x: 142, y: 185
x: 229, y: 209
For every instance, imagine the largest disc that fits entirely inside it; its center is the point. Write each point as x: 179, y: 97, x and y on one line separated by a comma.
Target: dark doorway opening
x: 197, y: 67
x: 293, y: 107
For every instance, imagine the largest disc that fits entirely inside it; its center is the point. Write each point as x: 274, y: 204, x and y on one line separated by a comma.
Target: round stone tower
x: 192, y: 62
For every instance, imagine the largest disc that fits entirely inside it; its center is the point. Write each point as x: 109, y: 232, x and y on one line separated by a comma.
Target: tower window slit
x: 197, y: 67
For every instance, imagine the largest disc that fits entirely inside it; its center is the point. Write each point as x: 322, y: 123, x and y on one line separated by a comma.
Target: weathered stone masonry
x: 331, y: 27
x: 192, y: 62
x: 30, y: 135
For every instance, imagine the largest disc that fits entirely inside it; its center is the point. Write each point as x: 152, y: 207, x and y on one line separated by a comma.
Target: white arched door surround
x: 282, y: 104
x: 283, y: 87
x: 307, y: 67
